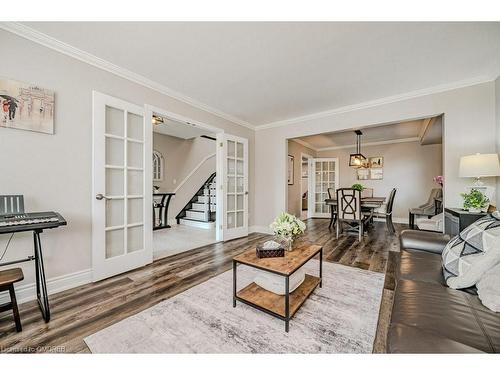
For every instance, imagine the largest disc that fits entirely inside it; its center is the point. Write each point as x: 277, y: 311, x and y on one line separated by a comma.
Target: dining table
x: 367, y: 203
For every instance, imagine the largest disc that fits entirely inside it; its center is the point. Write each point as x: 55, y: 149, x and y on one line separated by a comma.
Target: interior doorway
x: 184, y: 179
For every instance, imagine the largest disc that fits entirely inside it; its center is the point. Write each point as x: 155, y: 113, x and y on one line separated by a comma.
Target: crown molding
x: 64, y: 48
x: 387, y: 100
x: 367, y: 144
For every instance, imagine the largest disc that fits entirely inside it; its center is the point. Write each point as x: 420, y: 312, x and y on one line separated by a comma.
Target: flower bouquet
x: 287, y: 228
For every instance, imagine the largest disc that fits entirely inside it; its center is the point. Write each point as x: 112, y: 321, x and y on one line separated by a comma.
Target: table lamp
x: 478, y: 166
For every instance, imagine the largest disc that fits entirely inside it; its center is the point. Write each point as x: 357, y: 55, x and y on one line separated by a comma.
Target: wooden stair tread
x: 276, y: 303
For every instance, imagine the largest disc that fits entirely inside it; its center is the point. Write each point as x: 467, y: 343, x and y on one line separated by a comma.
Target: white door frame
x: 308, y: 157
x: 148, y: 114
x: 102, y: 267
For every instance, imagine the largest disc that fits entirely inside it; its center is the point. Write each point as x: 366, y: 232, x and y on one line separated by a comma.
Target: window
x: 157, y: 166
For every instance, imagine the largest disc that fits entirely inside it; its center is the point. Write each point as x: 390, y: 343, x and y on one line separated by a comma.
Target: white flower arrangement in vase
x: 287, y: 228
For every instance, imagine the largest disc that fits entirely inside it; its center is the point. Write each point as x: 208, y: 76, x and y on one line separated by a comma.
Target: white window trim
x: 158, y: 155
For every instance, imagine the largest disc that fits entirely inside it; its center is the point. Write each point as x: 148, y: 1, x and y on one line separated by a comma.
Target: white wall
x: 469, y: 127
x: 54, y: 172
x: 408, y: 167
x: 294, y: 191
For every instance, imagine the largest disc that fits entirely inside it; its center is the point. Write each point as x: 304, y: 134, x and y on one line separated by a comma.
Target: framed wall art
x: 26, y: 106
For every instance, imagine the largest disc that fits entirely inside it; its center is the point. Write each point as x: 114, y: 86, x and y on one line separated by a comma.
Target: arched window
x: 157, y: 166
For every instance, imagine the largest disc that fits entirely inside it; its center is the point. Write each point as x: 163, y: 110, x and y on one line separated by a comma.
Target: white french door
x: 122, y: 191
x: 324, y: 175
x: 235, y: 186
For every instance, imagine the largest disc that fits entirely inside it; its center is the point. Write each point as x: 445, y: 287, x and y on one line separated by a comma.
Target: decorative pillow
x: 488, y: 289
x: 473, y: 252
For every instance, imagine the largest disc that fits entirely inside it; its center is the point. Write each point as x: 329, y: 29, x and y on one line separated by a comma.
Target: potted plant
x: 287, y: 228
x: 475, y: 201
x: 358, y: 187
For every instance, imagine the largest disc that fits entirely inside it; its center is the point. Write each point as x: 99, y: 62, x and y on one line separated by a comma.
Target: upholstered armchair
x: 427, y: 209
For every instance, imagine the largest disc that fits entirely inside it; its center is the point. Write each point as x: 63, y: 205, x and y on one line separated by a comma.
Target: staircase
x: 200, y: 210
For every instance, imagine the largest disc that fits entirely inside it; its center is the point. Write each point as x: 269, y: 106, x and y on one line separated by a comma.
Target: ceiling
x: 179, y: 129
x: 427, y: 131
x: 261, y: 73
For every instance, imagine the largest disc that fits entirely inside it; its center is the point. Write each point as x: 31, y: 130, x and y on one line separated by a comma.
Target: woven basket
x: 269, y: 253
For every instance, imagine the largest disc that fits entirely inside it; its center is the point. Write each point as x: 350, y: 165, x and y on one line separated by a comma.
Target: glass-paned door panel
x: 121, y: 237
x: 325, y: 175
x: 235, y: 217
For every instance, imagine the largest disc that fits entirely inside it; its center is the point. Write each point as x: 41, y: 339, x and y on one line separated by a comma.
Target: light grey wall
x: 180, y: 157
x: 294, y: 191
x: 54, y: 172
x: 408, y: 167
x: 469, y: 127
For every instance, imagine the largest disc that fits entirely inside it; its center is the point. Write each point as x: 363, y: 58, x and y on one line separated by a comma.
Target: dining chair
x: 333, y: 208
x: 427, y: 209
x: 387, y: 215
x: 349, y: 211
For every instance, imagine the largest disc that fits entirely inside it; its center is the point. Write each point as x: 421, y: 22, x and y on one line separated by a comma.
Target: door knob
x: 100, y: 197
x: 246, y: 192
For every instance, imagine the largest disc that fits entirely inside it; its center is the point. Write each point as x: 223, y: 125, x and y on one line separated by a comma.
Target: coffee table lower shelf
x: 274, y: 304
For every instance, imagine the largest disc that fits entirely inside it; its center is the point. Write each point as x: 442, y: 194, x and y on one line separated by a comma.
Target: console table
x: 163, y: 209
x: 457, y: 219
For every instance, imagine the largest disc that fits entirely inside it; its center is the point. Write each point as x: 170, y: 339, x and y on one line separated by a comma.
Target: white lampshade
x: 479, y: 165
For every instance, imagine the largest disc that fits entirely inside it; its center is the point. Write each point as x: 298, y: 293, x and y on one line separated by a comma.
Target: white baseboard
x: 26, y: 293
x: 399, y: 220
x: 260, y: 229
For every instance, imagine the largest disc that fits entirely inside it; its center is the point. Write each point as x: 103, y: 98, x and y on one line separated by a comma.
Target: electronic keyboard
x: 19, y: 222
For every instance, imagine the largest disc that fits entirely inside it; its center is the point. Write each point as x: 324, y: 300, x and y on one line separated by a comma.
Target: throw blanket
x: 488, y: 289
x: 468, y: 256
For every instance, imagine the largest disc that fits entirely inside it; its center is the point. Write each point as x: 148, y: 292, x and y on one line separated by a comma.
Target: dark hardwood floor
x: 81, y: 311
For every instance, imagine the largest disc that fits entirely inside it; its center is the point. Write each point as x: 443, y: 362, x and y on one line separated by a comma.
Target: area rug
x: 341, y: 317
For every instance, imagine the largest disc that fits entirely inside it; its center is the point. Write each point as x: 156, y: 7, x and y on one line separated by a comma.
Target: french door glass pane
x: 114, y: 181
x: 135, y: 126
x: 114, y: 151
x: 115, y: 123
x: 114, y: 212
x: 239, y: 219
x: 114, y: 243
x: 134, y: 182
x: 231, y: 152
x: 231, y: 220
x: 239, y: 150
x: 231, y: 170
x: 135, y: 238
x: 230, y: 202
x: 135, y: 210
x: 239, y: 202
x: 134, y: 155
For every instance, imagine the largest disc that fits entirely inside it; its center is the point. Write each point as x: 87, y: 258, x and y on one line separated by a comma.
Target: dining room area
x: 375, y: 173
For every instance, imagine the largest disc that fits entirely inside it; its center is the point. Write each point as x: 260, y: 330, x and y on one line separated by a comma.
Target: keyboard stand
x: 41, y: 282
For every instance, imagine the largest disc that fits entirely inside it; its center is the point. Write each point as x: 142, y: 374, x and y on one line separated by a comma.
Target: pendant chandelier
x: 357, y: 160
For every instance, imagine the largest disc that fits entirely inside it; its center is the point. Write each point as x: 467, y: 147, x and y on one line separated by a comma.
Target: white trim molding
x: 367, y: 144
x: 381, y: 101
x: 26, y: 293
x: 64, y: 48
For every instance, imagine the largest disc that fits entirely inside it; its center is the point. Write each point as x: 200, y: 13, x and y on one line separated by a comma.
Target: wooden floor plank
x: 84, y: 310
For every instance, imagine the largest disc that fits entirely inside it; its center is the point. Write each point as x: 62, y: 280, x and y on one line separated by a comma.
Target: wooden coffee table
x: 282, y: 307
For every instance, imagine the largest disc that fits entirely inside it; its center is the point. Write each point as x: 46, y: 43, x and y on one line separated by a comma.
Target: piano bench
x: 7, y: 280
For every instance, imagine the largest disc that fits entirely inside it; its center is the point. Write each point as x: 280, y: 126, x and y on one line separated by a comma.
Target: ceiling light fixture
x: 357, y: 160
x: 157, y: 120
